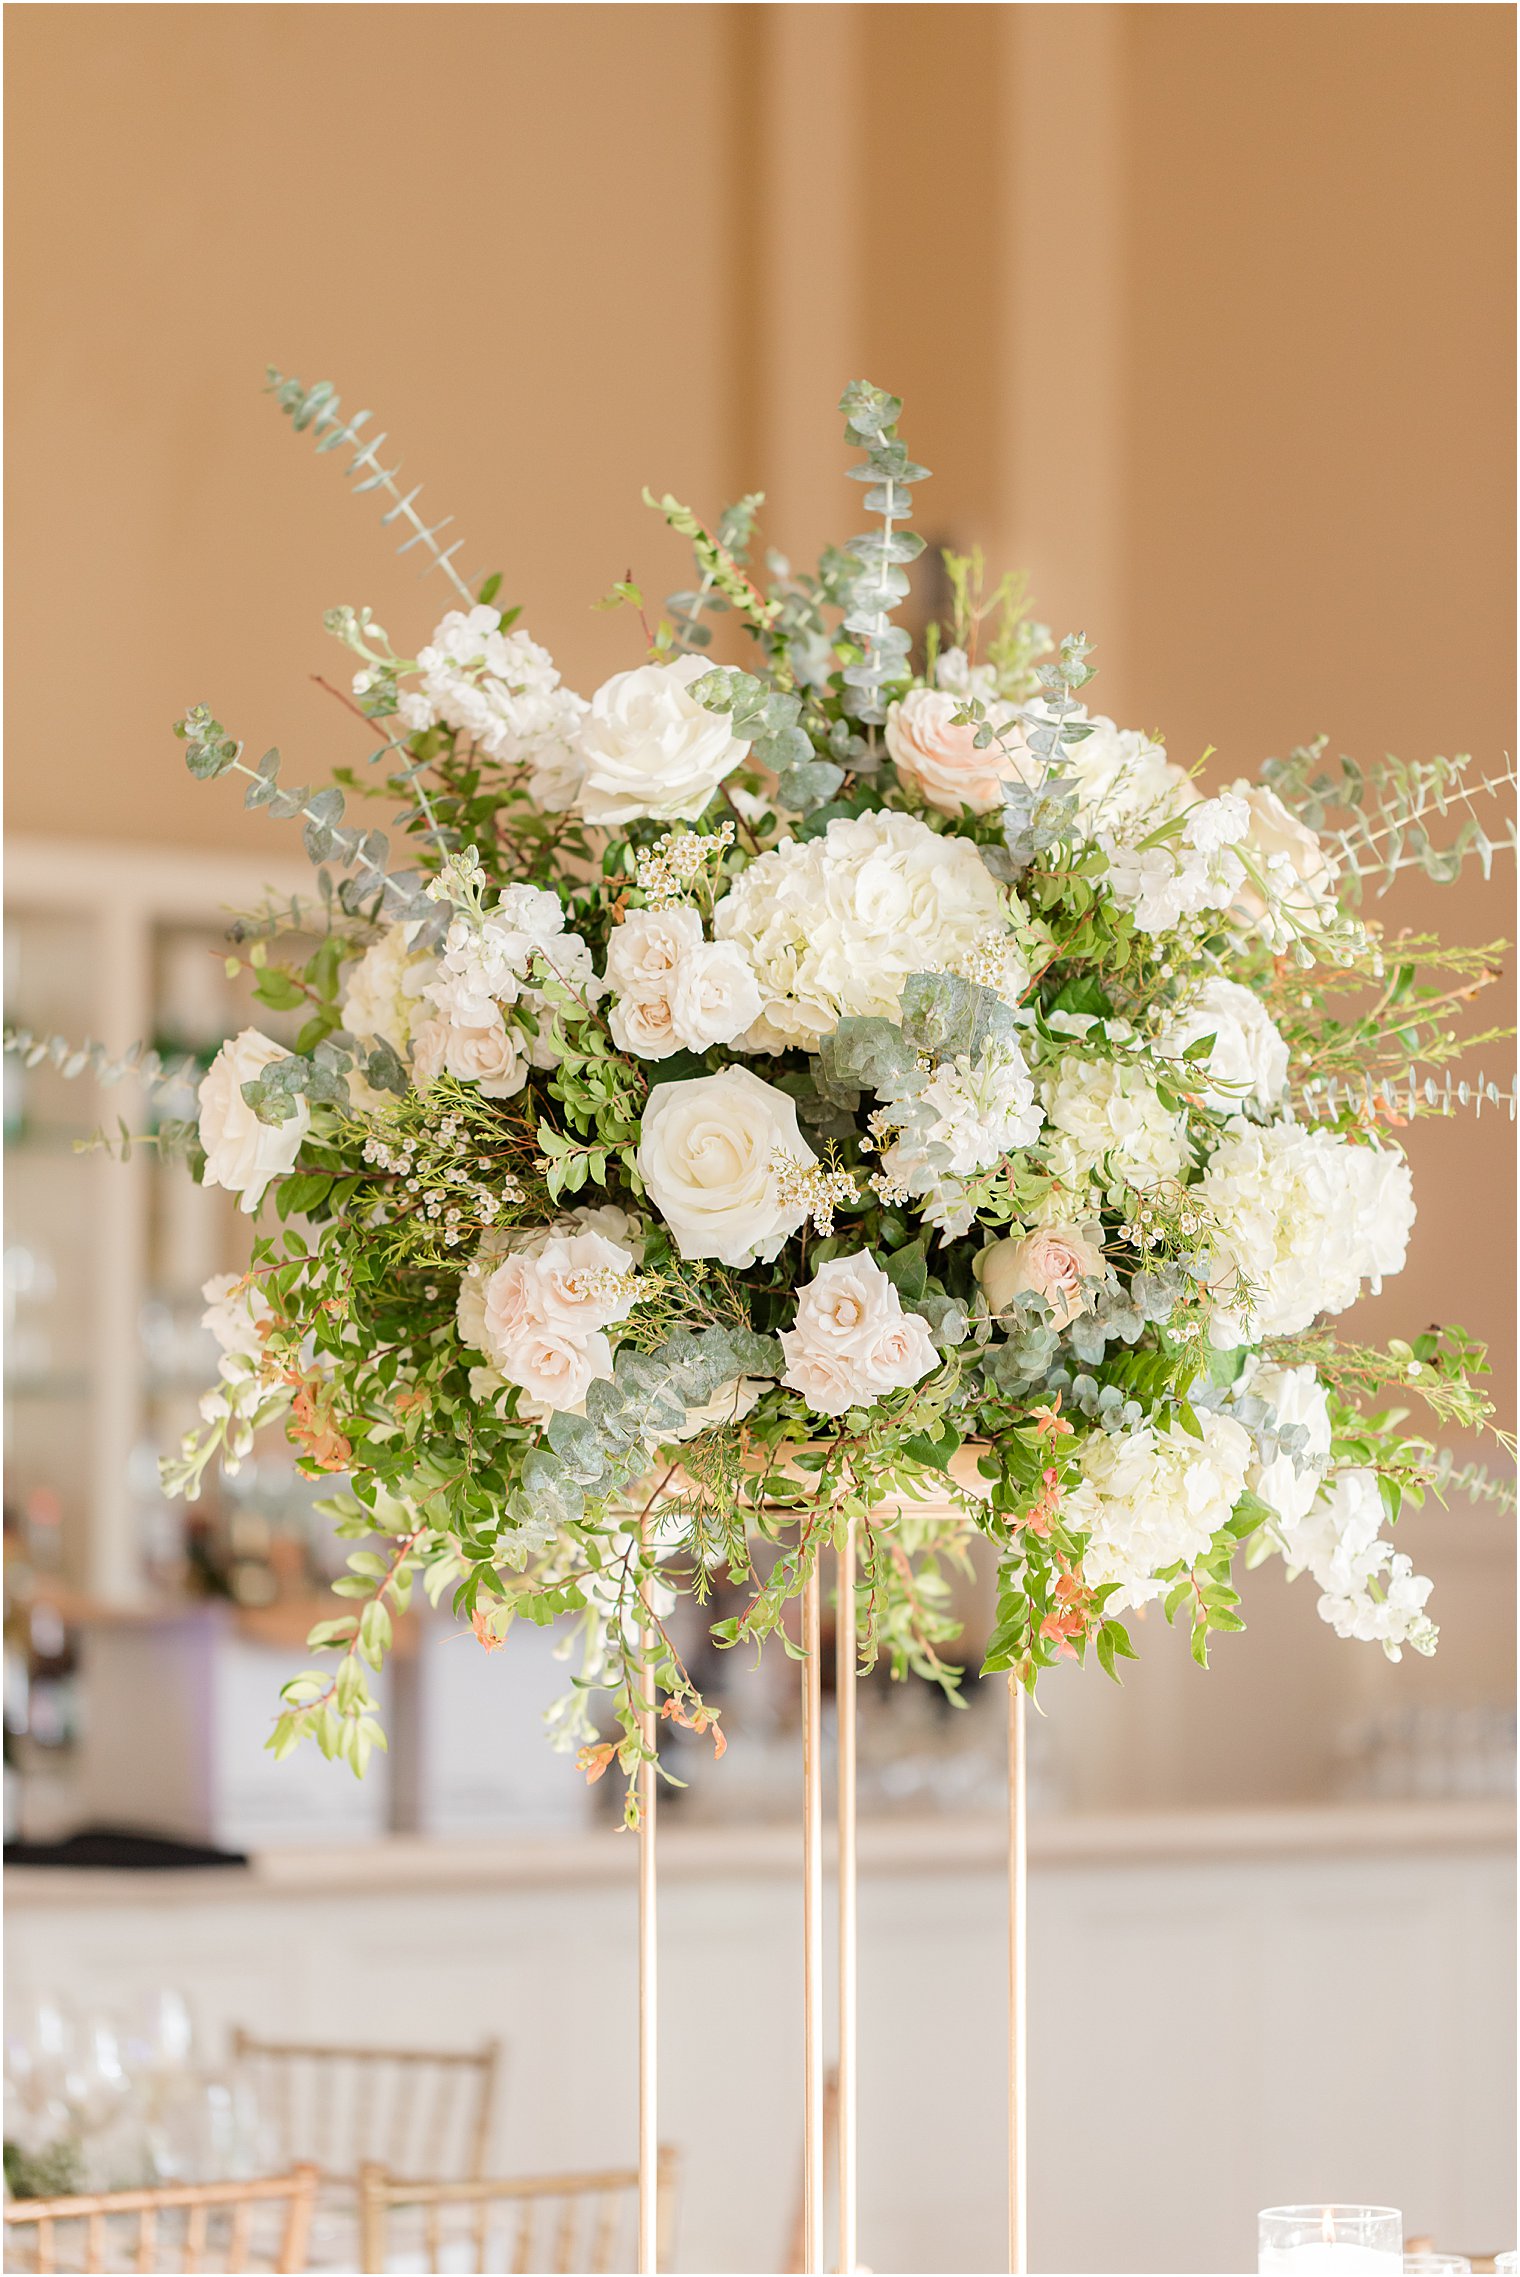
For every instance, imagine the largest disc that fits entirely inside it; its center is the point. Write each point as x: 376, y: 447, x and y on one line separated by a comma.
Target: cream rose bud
x: 705, y: 1156
x: 941, y: 759
x: 651, y: 749
x: 488, y: 1056
x: 242, y: 1153
x: 1054, y: 1262
x: 645, y: 1026
x: 1290, y: 854
x: 555, y: 1368
x: 714, y: 996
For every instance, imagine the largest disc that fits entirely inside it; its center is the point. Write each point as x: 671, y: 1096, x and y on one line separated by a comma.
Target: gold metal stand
x: 1018, y: 1890
x: 845, y: 1657
x: 812, y: 1931
x: 649, y: 2133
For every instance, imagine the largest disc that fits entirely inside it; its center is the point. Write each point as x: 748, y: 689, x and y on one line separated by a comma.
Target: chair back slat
x: 560, y: 2223
x: 40, y: 2231
x: 417, y: 2110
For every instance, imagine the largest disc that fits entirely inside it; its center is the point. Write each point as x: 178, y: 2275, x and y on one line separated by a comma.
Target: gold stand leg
x: 845, y: 1656
x: 1018, y: 2169
x: 649, y: 2133
x: 812, y: 1932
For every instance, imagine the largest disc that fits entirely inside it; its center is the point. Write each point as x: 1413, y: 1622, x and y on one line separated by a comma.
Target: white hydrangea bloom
x: 1103, y: 1108
x: 383, y: 989
x: 502, y: 691
x: 1248, y: 1064
x: 1302, y: 1218
x: 1192, y: 871
x: 835, y: 924
x: 1150, y: 1497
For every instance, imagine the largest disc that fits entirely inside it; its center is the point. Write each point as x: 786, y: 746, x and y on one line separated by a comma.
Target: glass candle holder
x: 1507, y: 2264
x: 1333, y: 2241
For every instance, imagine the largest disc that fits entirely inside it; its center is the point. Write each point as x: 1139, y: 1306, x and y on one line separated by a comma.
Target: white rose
x: 645, y: 1026
x: 941, y: 760
x: 714, y: 997
x: 572, y: 1278
x: 1249, y: 1059
x: 705, y: 1156
x: 1055, y: 1262
x: 489, y: 1056
x: 651, y: 749
x: 242, y: 1153
x: 646, y: 952
x: 554, y: 1368
x: 470, y: 1305
x: 852, y: 1340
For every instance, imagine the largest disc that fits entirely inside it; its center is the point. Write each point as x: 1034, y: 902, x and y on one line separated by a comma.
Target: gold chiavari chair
x: 559, y: 2223
x: 189, y: 2227
x: 414, y: 2110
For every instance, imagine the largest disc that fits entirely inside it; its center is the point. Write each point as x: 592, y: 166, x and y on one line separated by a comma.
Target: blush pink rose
x: 1052, y: 1263
x: 942, y: 761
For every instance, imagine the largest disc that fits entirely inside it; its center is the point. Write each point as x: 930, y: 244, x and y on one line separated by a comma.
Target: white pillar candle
x: 1331, y: 2241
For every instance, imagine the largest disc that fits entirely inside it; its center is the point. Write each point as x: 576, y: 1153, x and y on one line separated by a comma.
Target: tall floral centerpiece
x: 761, y: 1095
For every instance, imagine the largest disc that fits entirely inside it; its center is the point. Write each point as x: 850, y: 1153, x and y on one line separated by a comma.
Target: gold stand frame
x: 814, y: 2096
x: 649, y: 2128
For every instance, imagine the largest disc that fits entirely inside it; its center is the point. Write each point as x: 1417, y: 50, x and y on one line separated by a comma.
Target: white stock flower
x: 835, y: 924
x: 1102, y: 1108
x: 242, y: 1153
x: 1290, y: 1483
x: 1248, y: 1063
x: 1193, y: 870
x: 852, y: 1340
x: 502, y: 691
x: 1370, y: 1591
x: 486, y: 960
x: 235, y: 1306
x: 705, y: 1155
x: 1302, y: 1218
x: 941, y: 760
x: 1150, y: 1497
x: 954, y: 671
x: 651, y: 750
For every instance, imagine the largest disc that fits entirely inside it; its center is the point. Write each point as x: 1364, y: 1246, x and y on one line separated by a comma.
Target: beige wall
x: 1202, y: 312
